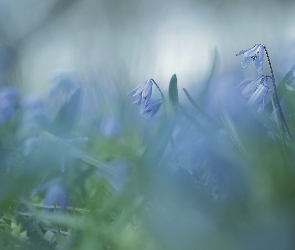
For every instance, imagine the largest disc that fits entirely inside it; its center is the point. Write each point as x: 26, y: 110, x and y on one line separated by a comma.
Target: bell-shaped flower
x: 56, y: 195
x: 258, y: 97
x: 151, y: 108
x: 256, y: 54
x: 256, y: 89
x: 250, y: 85
x: 144, y: 92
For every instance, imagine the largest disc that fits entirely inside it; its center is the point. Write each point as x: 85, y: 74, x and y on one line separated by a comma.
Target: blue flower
x: 110, y: 126
x: 8, y: 103
x: 56, y: 195
x: 35, y: 112
x: 63, y: 84
x: 258, y: 97
x: 256, y: 54
x: 144, y: 92
x: 150, y: 108
x: 256, y: 89
x: 147, y: 105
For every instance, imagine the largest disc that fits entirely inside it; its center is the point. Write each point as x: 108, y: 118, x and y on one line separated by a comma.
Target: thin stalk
x: 171, y: 137
x: 277, y: 122
x: 284, y: 122
x: 158, y: 88
x: 163, y: 98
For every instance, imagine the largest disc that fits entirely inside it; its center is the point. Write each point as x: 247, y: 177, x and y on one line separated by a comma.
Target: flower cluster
x: 256, y: 88
x: 148, y: 106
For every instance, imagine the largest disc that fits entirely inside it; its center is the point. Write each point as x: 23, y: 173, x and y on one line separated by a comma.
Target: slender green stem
x: 158, y: 88
x: 277, y: 122
x: 163, y: 98
x: 284, y: 122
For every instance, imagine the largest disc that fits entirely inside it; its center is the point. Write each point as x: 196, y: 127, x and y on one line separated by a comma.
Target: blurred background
x: 217, y: 175
x: 136, y: 40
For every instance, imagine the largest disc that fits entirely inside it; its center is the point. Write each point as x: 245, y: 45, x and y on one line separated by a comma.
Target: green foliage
x: 173, y: 91
x: 186, y: 179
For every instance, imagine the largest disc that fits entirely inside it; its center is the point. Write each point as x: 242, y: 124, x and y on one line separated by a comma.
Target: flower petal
x: 245, y: 50
x: 258, y: 95
x: 246, y: 61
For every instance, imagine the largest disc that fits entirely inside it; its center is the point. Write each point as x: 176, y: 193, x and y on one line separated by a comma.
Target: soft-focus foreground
x: 96, y: 161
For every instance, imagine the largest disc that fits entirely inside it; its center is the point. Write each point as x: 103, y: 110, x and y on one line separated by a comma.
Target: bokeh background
x: 81, y: 169
x: 137, y: 40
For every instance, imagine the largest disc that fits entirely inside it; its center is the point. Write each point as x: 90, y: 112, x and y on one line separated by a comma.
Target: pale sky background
x: 137, y: 40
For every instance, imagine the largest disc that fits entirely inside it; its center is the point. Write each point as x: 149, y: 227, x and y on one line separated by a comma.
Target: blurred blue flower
x: 144, y: 92
x: 56, y: 195
x: 63, y: 83
x: 5, y: 63
x: 110, y: 126
x: 150, y: 108
x: 8, y: 103
x: 254, y: 53
x: 35, y: 112
x: 256, y: 89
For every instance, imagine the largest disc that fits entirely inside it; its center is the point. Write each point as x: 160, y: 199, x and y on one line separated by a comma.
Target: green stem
x: 283, y: 120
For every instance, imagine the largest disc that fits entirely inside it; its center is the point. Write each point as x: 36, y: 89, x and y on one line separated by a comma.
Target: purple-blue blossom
x: 259, y: 95
x: 255, y: 54
x: 56, y: 195
x: 8, y: 103
x: 256, y: 89
x: 150, y: 108
x: 63, y: 83
x: 144, y: 92
x: 110, y: 126
x: 35, y: 112
x: 147, y: 105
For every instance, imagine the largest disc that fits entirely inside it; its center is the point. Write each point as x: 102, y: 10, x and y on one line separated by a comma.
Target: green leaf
x: 210, y: 76
x: 49, y: 236
x: 232, y: 130
x: 287, y: 80
x: 289, y: 75
x: 289, y: 88
x: 173, y: 91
